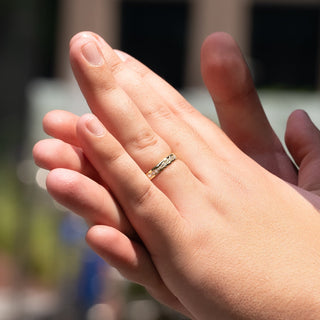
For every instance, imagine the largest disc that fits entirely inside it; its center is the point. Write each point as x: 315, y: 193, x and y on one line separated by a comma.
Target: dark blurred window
x: 285, y: 42
x: 46, y: 28
x: 26, y: 52
x: 155, y: 32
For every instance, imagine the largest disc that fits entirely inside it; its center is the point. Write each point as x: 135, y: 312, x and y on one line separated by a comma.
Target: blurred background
x: 46, y: 269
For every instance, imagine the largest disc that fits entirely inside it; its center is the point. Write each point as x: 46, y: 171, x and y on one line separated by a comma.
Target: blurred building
x: 279, y: 37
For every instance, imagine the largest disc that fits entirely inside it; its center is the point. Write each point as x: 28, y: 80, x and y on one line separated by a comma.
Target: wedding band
x: 161, y: 166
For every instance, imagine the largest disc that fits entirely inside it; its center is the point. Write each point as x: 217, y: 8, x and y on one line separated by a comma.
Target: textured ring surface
x: 161, y: 166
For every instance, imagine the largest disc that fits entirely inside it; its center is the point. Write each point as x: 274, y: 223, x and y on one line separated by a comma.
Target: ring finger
x: 143, y: 203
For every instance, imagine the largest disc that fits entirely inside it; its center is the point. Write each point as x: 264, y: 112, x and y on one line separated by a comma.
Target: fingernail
x: 81, y: 35
x: 121, y: 55
x: 92, y: 54
x: 95, y: 126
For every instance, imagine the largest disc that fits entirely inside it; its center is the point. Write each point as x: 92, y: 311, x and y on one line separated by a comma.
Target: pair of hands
x: 215, y: 235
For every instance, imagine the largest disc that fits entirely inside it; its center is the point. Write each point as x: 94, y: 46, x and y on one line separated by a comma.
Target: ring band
x: 161, y: 166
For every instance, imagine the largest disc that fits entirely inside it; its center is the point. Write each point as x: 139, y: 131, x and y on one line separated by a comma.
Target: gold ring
x: 161, y: 166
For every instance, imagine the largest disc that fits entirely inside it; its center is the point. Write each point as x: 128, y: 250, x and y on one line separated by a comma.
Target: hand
x: 223, y: 149
x: 242, y: 118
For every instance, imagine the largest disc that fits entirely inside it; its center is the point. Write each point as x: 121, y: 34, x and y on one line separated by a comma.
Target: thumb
x: 303, y: 142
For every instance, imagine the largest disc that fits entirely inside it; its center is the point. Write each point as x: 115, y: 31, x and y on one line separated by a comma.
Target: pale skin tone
x: 215, y: 235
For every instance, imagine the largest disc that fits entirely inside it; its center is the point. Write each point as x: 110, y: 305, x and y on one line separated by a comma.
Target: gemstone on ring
x: 161, y: 166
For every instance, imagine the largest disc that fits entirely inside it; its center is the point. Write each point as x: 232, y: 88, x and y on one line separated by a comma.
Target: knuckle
x: 117, y: 68
x: 181, y: 106
x: 113, y: 157
x: 144, y: 196
x: 158, y: 111
x: 144, y: 139
x: 99, y: 90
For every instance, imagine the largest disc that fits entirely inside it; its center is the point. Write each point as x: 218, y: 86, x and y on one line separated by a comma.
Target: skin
x: 231, y: 233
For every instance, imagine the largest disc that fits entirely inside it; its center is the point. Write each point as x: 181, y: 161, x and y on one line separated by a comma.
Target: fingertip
x: 61, y: 124
x: 43, y: 152
x: 223, y: 67
x: 82, y: 35
x: 36, y: 152
x: 302, y: 136
x: 217, y: 39
x: 216, y: 48
x: 80, y: 57
x: 86, y: 35
x: 90, y: 123
x: 88, y: 47
x: 299, y: 115
x: 63, y: 183
x: 97, y: 235
x: 298, y: 121
x: 49, y: 121
x: 56, y: 178
x: 52, y: 181
x: 114, y: 246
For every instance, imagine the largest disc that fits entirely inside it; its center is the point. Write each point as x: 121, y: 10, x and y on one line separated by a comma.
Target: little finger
x: 88, y: 199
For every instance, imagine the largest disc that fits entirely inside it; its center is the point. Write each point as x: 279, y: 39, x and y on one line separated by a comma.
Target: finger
x: 132, y: 261
x: 147, y: 208
x: 303, y: 141
x: 135, y: 102
x: 177, y: 104
x: 111, y: 104
x: 61, y: 125
x: 230, y: 84
x: 70, y: 157
x: 241, y: 115
x: 88, y: 199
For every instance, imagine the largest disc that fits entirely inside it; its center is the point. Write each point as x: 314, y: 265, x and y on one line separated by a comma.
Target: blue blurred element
x: 72, y: 230
x: 91, y: 283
